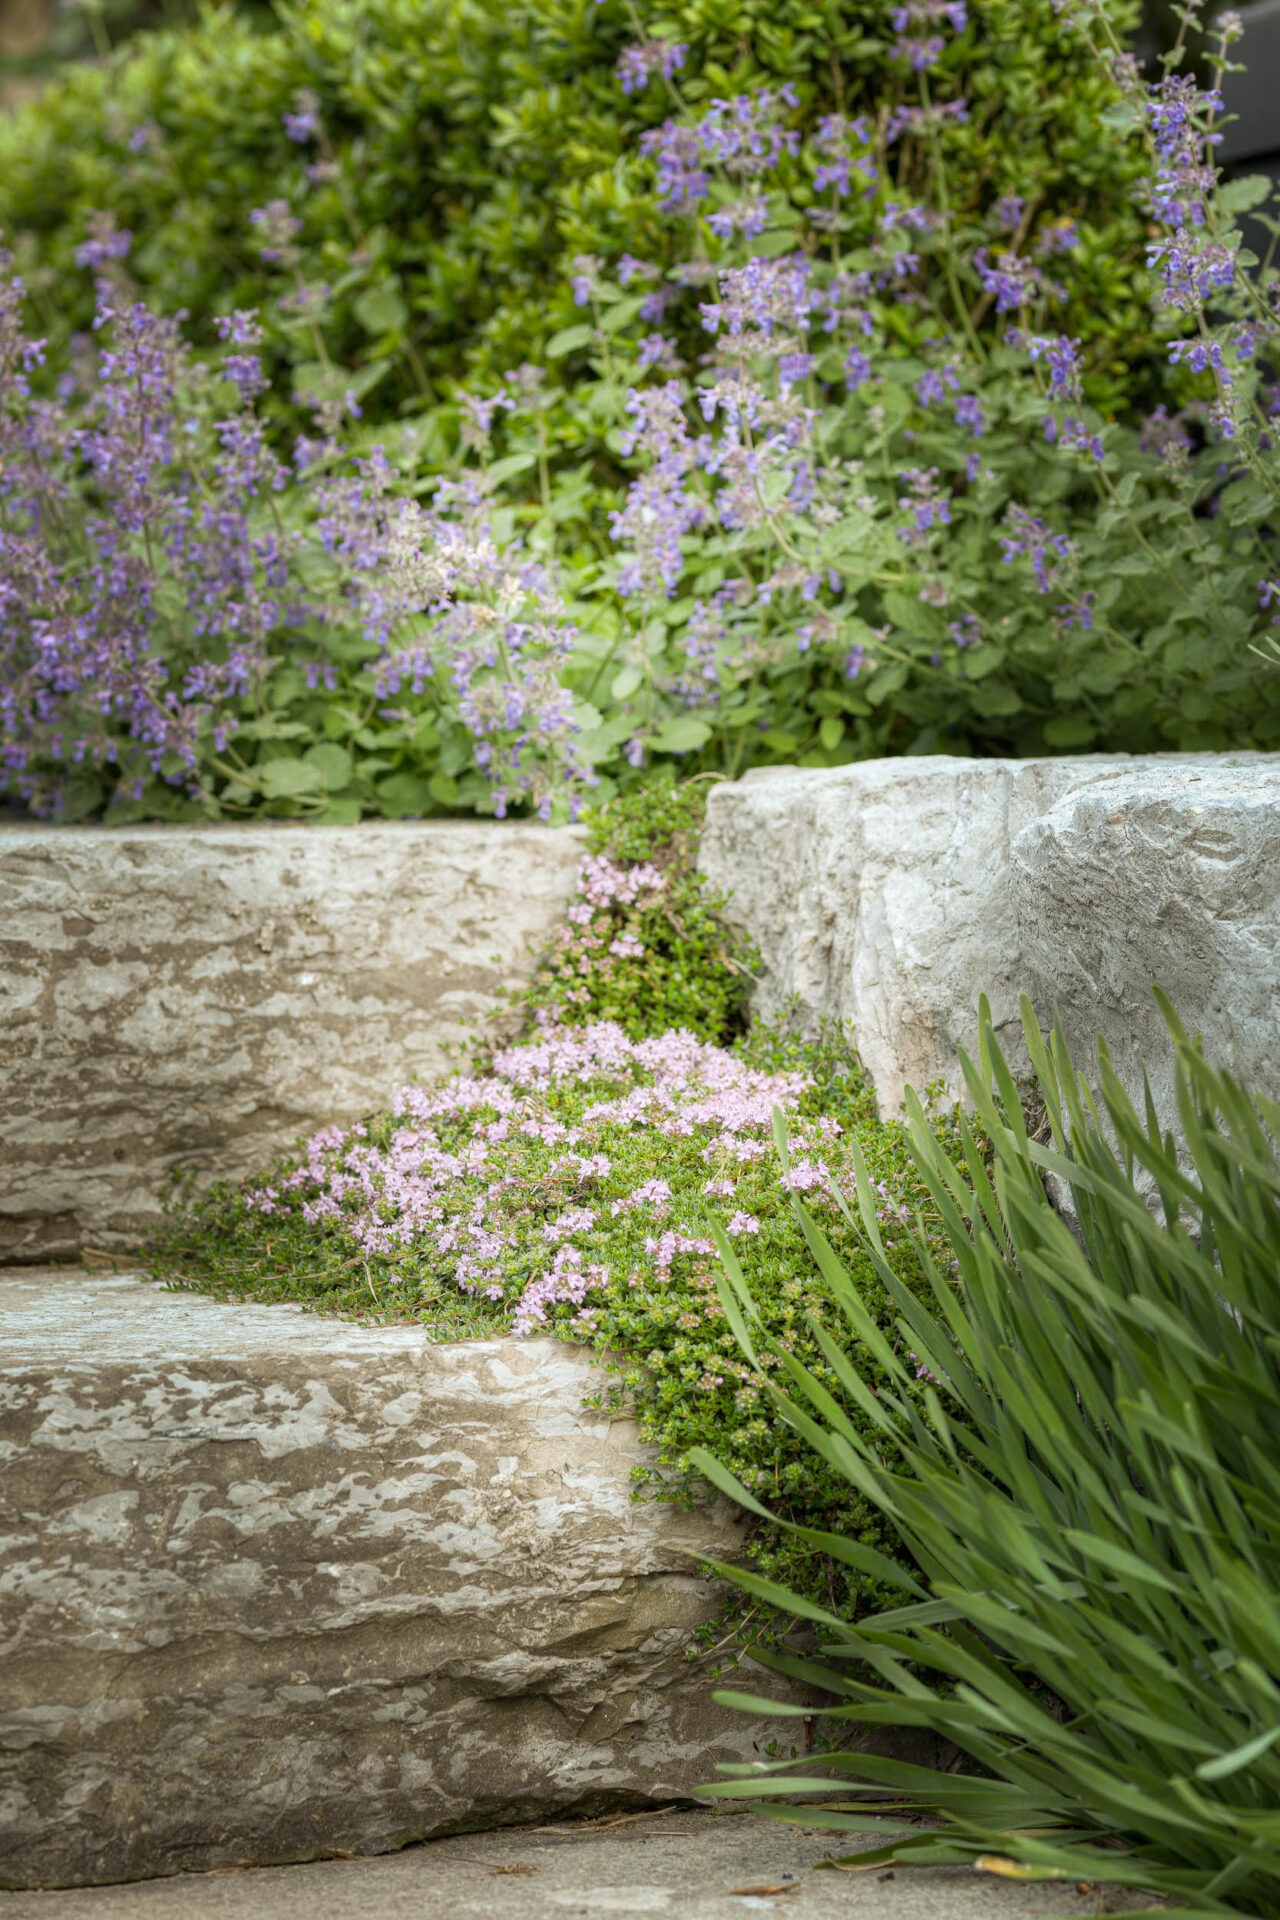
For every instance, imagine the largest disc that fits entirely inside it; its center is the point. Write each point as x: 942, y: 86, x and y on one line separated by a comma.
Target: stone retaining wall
x: 204, y: 995
x: 892, y: 894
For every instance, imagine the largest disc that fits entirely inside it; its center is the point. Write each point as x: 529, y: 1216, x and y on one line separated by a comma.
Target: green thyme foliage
x: 1090, y: 1493
x: 652, y: 954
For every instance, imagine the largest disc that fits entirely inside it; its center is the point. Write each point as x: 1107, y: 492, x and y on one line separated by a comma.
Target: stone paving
x: 712, y: 1866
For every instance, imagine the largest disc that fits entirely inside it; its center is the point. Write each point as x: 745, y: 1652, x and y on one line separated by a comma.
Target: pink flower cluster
x: 460, y: 1173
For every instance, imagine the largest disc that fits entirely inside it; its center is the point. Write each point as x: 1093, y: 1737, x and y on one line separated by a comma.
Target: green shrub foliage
x: 1089, y: 1492
x: 801, y: 466
x: 456, y: 155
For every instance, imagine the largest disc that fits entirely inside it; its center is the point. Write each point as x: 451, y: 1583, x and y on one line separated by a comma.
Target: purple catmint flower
x: 924, y: 504
x: 970, y: 414
x: 918, y: 122
x: 656, y: 350
x: 105, y: 244
x: 916, y: 26
x: 1077, y: 613
x: 278, y: 227
x: 935, y: 383
x: 638, y: 64
x: 242, y: 328
x: 1202, y: 356
x: 857, y: 369
x: 303, y: 122
x: 1028, y: 538
x: 1061, y: 356
x: 1192, y: 269
x: 1011, y: 281
x: 682, y: 179
x: 629, y: 269
x: 1063, y: 236
x: 748, y: 217
x: 744, y: 137
x: 1166, y: 436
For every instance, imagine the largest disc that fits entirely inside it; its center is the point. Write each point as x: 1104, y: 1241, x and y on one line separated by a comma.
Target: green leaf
x: 569, y: 340
x: 288, y: 779
x: 402, y: 795
x: 625, y: 682
x: 332, y: 764
x: 1228, y: 1763
x: 682, y: 733
x: 381, y: 310
x: 1242, y: 195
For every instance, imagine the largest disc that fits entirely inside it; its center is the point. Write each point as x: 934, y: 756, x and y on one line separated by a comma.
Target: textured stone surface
x: 687, y: 1865
x: 885, y: 895
x: 203, y: 995
x: 273, y: 1585
x: 1167, y: 874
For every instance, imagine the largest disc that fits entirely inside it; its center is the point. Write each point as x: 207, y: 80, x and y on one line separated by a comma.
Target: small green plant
x: 1088, y: 1487
x: 646, y: 943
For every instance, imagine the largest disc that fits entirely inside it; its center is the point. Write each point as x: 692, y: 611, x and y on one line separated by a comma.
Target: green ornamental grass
x: 1089, y: 1490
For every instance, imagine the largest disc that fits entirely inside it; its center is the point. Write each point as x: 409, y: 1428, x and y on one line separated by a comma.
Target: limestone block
x: 1168, y: 874
x: 273, y: 1585
x: 204, y: 995
x: 883, y: 895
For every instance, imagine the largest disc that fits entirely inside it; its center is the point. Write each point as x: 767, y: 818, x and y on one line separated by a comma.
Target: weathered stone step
x: 200, y: 995
x: 888, y: 896
x: 273, y: 1585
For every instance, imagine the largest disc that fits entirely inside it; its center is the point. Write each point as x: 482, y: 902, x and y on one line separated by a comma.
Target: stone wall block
x: 274, y: 1585
x: 890, y: 895
x: 1168, y: 875
x: 204, y: 995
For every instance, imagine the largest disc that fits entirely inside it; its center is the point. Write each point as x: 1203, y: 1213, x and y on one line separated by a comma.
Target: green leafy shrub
x: 1089, y: 1491
x: 820, y: 478
x: 461, y: 153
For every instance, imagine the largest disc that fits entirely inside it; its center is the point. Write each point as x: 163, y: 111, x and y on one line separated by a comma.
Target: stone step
x: 889, y: 896
x: 198, y: 996
x: 274, y: 1586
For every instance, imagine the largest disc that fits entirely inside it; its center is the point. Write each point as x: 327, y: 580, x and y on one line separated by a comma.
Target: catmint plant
x: 174, y: 588
x: 830, y: 546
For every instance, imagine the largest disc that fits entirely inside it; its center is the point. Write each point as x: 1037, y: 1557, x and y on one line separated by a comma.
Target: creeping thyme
x: 646, y: 943
x: 572, y: 1189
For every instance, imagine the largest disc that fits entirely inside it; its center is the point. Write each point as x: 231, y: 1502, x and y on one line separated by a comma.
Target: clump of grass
x: 1085, y: 1508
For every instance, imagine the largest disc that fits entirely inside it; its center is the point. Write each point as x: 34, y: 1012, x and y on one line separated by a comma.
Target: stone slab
x: 687, y: 1865
x: 274, y: 1585
x: 1166, y: 874
x: 889, y: 896
x: 203, y: 995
